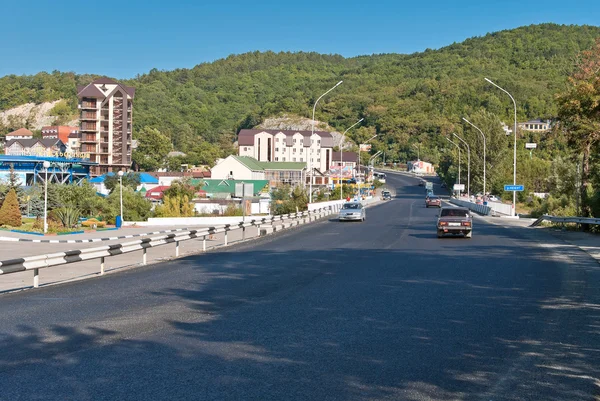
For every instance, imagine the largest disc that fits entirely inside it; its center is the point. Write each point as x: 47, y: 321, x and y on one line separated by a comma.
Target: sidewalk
x: 587, y: 242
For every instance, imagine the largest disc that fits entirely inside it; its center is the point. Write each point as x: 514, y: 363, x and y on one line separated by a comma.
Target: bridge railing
x: 263, y: 227
x: 564, y: 220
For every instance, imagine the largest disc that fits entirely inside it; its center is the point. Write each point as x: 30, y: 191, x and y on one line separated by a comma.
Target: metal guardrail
x: 563, y: 220
x: 481, y: 209
x: 275, y: 223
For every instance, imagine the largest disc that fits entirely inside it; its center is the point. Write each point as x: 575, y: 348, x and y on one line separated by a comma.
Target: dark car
x: 433, y: 200
x: 455, y: 220
x: 386, y: 195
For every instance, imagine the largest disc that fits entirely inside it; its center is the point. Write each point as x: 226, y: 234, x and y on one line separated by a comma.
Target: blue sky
x: 128, y: 37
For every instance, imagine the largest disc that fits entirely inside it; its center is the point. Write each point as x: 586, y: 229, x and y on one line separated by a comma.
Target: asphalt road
x: 380, y: 310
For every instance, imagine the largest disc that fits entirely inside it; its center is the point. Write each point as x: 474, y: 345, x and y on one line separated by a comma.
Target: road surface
x: 380, y: 310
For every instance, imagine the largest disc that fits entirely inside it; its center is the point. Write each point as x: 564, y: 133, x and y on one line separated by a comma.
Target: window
x: 276, y: 149
x: 294, y: 150
x: 276, y: 139
x: 319, y: 142
x: 246, y: 149
x: 294, y: 159
x: 318, y: 160
x: 284, y: 159
x: 276, y: 158
x: 294, y: 140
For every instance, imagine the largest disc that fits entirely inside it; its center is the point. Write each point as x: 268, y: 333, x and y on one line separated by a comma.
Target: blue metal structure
x: 30, y: 169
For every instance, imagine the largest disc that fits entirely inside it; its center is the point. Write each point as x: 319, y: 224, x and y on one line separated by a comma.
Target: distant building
x: 421, y: 167
x: 33, y: 147
x: 74, y: 143
x: 146, y: 181
x: 21, y: 133
x: 537, y: 125
x: 105, y: 124
x: 507, y: 130
x: 346, y: 162
x: 288, y: 146
x: 248, y: 168
x: 61, y: 132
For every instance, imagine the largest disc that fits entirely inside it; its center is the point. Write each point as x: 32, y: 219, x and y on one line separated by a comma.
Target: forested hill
x: 400, y: 96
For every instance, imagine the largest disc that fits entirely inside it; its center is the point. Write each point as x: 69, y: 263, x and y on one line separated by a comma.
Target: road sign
x: 530, y: 145
x: 459, y: 187
x: 513, y: 187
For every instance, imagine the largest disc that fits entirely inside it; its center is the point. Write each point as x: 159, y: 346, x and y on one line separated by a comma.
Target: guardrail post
x: 225, y: 237
x: 36, y: 278
x: 243, y: 233
x: 144, y: 259
x: 204, y: 244
x: 102, y: 266
x: 176, y: 249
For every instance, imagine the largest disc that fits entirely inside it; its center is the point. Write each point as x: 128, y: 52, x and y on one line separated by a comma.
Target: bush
x: 10, y: 212
x: 94, y: 222
x: 68, y: 216
x: 233, y: 210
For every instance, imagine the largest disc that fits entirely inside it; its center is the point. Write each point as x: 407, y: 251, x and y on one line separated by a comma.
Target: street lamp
x: 120, y: 174
x: 468, y: 166
x: 311, y: 136
x: 514, y: 205
x: 359, y: 169
x: 46, y: 164
x: 458, y: 147
x: 481, y: 132
x: 342, y: 157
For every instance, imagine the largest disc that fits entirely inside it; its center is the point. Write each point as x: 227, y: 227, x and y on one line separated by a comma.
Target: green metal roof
x: 228, y: 186
x: 256, y: 165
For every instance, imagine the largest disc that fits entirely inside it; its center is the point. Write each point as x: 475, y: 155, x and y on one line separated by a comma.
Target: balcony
x: 89, y: 105
x: 89, y: 117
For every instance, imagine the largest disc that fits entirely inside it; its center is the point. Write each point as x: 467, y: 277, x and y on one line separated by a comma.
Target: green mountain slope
x: 400, y: 96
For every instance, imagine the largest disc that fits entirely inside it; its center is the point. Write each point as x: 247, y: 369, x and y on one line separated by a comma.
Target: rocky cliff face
x: 31, y: 116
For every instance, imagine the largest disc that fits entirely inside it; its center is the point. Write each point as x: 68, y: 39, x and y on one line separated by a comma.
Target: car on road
x: 493, y: 198
x: 433, y: 200
x: 352, y: 211
x: 454, y: 220
x: 386, y: 195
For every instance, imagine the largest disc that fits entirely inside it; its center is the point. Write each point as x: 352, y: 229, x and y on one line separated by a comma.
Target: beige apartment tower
x: 105, y: 124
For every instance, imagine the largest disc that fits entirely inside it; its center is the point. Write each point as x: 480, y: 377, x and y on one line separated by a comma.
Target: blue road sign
x: 513, y: 187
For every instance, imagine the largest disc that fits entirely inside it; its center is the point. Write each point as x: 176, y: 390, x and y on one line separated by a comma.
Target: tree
x: 130, y: 180
x: 152, y: 149
x: 579, y: 114
x: 10, y: 213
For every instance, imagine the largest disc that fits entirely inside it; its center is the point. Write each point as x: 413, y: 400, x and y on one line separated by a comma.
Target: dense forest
x: 409, y: 100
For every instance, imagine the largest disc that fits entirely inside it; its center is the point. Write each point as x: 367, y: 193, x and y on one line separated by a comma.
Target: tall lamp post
x: 468, y: 166
x: 120, y: 174
x: 514, y: 205
x: 46, y: 165
x: 359, y: 169
x: 483, y: 136
x: 458, y: 147
x: 311, y: 136
x: 342, y: 157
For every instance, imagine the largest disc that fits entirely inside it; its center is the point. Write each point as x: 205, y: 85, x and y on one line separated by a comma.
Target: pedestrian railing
x: 263, y: 226
x: 564, y: 220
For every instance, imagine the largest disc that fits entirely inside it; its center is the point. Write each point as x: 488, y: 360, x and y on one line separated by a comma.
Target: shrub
x: 10, y: 213
x: 94, y: 222
x: 68, y: 216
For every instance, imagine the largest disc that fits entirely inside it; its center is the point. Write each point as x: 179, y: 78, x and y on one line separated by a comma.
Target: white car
x: 493, y: 198
x: 352, y: 211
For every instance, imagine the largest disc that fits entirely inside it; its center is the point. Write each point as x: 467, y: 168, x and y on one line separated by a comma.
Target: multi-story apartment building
x: 105, y: 124
x: 288, y: 146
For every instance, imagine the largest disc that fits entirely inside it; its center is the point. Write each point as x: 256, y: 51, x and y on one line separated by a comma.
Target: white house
x: 248, y: 168
x: 314, y: 149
